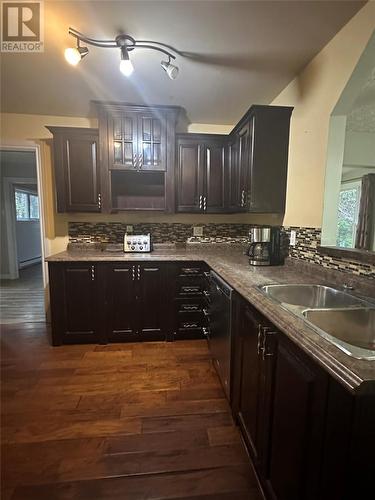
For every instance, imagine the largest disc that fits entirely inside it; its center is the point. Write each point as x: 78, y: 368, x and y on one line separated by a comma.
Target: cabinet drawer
x: 189, y: 304
x: 192, y: 332
x: 193, y: 289
x: 190, y: 270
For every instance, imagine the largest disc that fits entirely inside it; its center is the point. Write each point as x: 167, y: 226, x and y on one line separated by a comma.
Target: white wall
x: 14, y: 165
x: 28, y: 242
x: 314, y: 94
x: 359, y: 148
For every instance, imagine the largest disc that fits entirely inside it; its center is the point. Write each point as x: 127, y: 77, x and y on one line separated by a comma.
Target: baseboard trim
x: 30, y: 262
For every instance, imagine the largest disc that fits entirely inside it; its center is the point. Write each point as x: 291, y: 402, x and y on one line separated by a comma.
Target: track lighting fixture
x: 74, y: 55
x: 170, y: 69
x: 126, y: 66
x: 126, y: 44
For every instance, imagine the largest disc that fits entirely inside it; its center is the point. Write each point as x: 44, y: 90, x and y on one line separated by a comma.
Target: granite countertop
x: 357, y: 375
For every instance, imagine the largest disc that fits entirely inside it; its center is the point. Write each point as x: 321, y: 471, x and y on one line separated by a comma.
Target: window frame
x: 350, y: 186
x: 28, y: 193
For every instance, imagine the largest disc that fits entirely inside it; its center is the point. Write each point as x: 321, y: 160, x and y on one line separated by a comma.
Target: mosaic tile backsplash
x: 307, y: 240
x: 113, y: 232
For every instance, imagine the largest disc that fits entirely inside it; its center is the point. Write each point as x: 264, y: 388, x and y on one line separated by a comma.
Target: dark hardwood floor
x: 22, y: 300
x: 123, y: 421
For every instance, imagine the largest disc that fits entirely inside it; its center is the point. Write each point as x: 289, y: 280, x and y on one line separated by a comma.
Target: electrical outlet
x: 293, y: 238
x: 198, y: 231
x: 129, y: 229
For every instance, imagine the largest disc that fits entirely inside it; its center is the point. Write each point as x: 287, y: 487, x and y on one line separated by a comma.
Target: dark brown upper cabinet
x: 234, y: 184
x: 200, y: 173
x: 137, y: 156
x: 77, y: 175
x: 243, y: 172
x: 263, y: 143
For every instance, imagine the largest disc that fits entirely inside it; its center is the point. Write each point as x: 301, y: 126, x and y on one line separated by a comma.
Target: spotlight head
x: 74, y: 55
x: 126, y: 66
x: 170, y: 69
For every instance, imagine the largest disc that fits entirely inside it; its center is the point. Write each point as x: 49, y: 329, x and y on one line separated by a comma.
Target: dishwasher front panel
x: 219, y: 336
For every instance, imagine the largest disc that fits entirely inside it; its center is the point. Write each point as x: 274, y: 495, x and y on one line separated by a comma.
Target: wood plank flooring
x: 123, y: 421
x: 22, y: 300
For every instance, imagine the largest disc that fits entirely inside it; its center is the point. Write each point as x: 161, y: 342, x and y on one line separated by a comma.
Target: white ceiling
x: 239, y: 53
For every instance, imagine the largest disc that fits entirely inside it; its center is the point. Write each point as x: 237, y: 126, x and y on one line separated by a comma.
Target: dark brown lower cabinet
x: 76, y: 303
x: 115, y: 302
x: 308, y: 436
x: 254, y: 364
x: 154, y: 301
x: 190, y: 300
x: 298, y: 425
x: 121, y: 306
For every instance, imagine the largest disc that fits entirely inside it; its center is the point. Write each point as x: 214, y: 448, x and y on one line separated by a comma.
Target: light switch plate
x: 129, y: 229
x: 293, y: 238
x: 198, y: 231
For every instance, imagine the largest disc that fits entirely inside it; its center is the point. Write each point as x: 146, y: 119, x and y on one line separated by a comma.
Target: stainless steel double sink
x: 343, y: 319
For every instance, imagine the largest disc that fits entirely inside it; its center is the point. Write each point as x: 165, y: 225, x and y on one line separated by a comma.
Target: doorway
x: 21, y: 271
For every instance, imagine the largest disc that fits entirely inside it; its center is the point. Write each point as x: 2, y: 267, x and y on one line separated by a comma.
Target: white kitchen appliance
x: 137, y: 243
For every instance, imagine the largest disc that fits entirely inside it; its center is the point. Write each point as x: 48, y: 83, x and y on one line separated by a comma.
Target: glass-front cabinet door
x: 152, y: 142
x: 123, y: 141
x: 137, y: 141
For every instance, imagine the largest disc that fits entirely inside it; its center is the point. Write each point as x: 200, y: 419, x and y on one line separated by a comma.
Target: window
x: 349, y: 198
x: 27, y: 205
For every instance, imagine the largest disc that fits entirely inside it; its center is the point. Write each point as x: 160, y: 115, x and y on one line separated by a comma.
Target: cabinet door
x: 233, y: 180
x: 190, y: 176
x: 298, y: 426
x: 122, y: 307
x: 214, y: 197
x: 268, y: 163
x: 152, y: 142
x: 256, y: 378
x: 123, y: 141
x: 244, y: 156
x: 75, y: 304
x: 153, y: 301
x: 76, y: 165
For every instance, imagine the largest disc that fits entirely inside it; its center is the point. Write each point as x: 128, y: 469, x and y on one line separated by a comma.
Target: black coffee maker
x: 266, y: 246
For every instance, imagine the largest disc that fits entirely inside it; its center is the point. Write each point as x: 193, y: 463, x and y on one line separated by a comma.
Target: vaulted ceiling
x: 236, y: 53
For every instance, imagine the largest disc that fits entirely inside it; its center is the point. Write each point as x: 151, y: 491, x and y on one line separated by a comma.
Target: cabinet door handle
x: 133, y: 273
x: 99, y: 200
x: 140, y: 160
x: 267, y: 349
x: 243, y: 198
x: 135, y: 160
x: 138, y: 273
x: 200, y: 202
x: 204, y: 203
x: 92, y: 273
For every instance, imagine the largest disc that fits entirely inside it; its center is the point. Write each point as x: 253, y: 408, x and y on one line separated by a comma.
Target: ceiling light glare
x: 74, y: 55
x: 126, y: 66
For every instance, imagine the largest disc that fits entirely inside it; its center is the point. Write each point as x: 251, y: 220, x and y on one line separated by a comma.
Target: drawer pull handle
x: 185, y: 307
x: 190, y: 270
x: 190, y: 289
x: 190, y: 325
